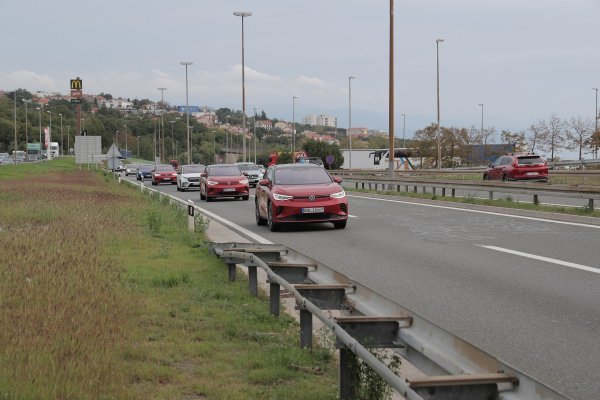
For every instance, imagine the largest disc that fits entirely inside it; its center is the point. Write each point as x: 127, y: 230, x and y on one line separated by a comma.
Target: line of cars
x: 286, y: 194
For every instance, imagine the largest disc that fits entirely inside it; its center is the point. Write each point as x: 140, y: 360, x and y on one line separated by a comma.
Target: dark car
x: 300, y: 193
x: 164, y: 174
x: 223, y: 180
x: 250, y: 171
x: 516, y: 167
x: 144, y: 172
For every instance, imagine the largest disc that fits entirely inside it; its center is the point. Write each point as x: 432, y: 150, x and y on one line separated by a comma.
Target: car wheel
x: 208, y: 198
x: 486, y: 177
x: 273, y: 227
x: 505, y: 178
x: 340, y: 225
x: 245, y: 197
x: 259, y: 220
x: 201, y: 195
x: 178, y: 188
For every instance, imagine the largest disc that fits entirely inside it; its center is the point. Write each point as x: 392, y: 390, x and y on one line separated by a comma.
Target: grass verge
x: 104, y: 294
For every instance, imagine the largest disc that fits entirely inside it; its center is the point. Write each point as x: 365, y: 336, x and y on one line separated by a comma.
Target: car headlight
x: 212, y: 183
x: 183, y: 178
x: 278, y: 196
x: 244, y: 181
x: 338, y: 195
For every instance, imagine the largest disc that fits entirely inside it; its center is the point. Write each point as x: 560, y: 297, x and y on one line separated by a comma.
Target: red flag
x: 47, y: 137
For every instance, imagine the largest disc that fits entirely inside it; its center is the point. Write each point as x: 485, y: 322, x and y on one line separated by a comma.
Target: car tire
x: 178, y: 188
x: 486, y: 177
x: 273, y: 227
x: 505, y: 178
x: 201, y: 195
x: 245, y: 197
x: 208, y: 198
x: 340, y: 225
x: 259, y: 220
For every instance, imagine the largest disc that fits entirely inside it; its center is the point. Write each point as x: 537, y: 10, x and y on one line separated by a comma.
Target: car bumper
x: 330, y: 210
x: 228, y: 191
x: 188, y: 184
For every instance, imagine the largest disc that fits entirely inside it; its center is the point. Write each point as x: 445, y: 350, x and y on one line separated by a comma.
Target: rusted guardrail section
x: 535, y: 190
x: 453, y: 368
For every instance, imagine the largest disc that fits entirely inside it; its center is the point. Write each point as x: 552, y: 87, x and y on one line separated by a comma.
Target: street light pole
x: 162, y: 121
x: 439, y: 140
x: 391, y: 134
x: 172, y: 122
x: 49, y: 154
x: 483, y: 135
x: 255, y: 108
x: 403, y: 130
x: 350, y: 119
x: 138, y: 145
x: 187, y: 110
x: 40, y: 115
x: 62, y: 143
x: 26, y: 123
x: 596, y: 134
x: 126, y: 147
x: 243, y: 14
x: 68, y: 139
x: 294, y: 128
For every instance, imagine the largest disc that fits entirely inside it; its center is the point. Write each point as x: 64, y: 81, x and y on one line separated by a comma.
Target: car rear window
x: 528, y: 160
x: 301, y: 176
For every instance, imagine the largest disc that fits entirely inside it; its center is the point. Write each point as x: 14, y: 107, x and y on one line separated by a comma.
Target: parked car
x: 250, y: 171
x: 514, y: 167
x: 223, y: 180
x: 300, y: 193
x: 144, y: 172
x: 189, y: 177
x: 164, y: 173
x: 131, y: 169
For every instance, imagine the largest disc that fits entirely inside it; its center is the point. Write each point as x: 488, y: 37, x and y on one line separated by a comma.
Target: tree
x: 552, y: 136
x: 321, y: 150
x: 579, y: 133
x: 427, y: 144
x: 536, y: 130
x: 516, y: 138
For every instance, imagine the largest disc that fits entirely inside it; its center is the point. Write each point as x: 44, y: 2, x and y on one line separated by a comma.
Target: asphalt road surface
x: 525, y: 290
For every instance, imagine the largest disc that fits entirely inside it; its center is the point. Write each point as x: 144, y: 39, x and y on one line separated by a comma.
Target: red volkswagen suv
x: 223, y: 180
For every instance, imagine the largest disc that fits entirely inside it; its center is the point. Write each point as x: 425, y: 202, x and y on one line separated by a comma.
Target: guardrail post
x: 443, y: 192
x: 491, y: 195
x: 453, y: 192
x: 536, y: 200
x: 232, y: 270
x: 591, y: 204
x: 274, y: 290
x: 252, y: 281
x: 305, y: 329
x: 142, y: 186
x: 347, y: 386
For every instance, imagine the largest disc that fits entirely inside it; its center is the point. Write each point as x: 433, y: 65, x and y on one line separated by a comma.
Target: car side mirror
x: 264, y: 182
x: 337, y: 179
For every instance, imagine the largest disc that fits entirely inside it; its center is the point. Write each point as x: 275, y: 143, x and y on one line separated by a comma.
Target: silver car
x: 131, y: 169
x: 250, y: 171
x: 189, y: 177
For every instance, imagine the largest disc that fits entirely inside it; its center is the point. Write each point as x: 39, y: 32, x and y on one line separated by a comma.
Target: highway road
x: 526, y: 290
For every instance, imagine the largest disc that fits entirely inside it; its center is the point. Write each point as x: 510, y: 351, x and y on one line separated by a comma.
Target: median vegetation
x: 104, y: 294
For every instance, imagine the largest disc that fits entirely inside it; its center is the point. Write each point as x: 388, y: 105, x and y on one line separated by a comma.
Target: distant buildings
x: 320, y: 120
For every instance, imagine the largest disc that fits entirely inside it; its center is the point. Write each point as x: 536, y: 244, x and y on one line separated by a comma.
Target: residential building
x: 320, y: 120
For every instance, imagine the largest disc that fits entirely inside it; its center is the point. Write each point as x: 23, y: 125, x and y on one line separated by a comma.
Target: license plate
x: 229, y: 190
x: 313, y: 210
x: 531, y: 173
x: 166, y: 179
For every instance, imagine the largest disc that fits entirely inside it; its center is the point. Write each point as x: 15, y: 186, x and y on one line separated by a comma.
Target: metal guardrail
x: 455, y: 368
x: 587, y: 192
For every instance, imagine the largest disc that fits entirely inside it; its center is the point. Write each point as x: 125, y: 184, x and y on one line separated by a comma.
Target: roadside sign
x: 76, y: 90
x: 329, y: 159
x: 76, y: 84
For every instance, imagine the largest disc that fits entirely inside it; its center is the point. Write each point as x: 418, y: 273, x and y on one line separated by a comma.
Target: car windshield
x: 301, y: 176
x: 224, y: 170
x: 165, y: 168
x: 192, y: 169
x: 247, y: 167
x: 528, y: 160
x: 146, y: 168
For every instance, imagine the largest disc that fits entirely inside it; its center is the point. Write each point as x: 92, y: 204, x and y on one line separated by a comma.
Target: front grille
x: 193, y: 179
x: 317, y: 197
x: 313, y: 217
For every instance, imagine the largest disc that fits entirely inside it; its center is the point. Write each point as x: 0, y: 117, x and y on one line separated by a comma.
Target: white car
x: 189, y: 177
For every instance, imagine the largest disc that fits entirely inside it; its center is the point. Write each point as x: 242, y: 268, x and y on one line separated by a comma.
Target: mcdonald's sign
x: 76, y: 84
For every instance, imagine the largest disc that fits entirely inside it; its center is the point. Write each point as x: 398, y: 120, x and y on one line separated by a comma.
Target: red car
x: 223, y: 180
x: 164, y: 174
x: 516, y: 167
x: 300, y: 193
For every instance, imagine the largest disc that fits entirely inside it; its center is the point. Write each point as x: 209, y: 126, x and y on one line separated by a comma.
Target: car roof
x: 299, y: 165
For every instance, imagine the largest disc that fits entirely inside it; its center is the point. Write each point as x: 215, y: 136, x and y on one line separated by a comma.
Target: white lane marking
x: 351, y: 216
x: 542, y: 258
x: 481, y: 212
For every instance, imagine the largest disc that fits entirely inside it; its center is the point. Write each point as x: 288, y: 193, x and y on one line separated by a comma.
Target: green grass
x: 99, y: 302
x: 506, y: 202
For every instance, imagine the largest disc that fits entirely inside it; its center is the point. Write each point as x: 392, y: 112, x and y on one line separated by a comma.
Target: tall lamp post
x: 172, y: 122
x: 294, y: 128
x: 62, y: 143
x: 391, y: 135
x: 162, y: 123
x: 596, y: 134
x: 187, y: 110
x: 138, y: 145
x: 403, y: 130
x: 68, y: 139
x: 49, y: 154
x: 40, y: 115
x: 26, y: 123
x: 483, y: 135
x: 350, y: 119
x: 243, y: 14
x: 126, y: 147
x: 255, y: 108
x: 439, y: 139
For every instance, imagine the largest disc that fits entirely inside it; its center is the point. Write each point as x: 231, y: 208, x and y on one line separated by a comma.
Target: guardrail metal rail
x: 586, y: 192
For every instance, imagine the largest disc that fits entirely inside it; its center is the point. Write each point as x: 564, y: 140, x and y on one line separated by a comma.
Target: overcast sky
x: 523, y: 59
